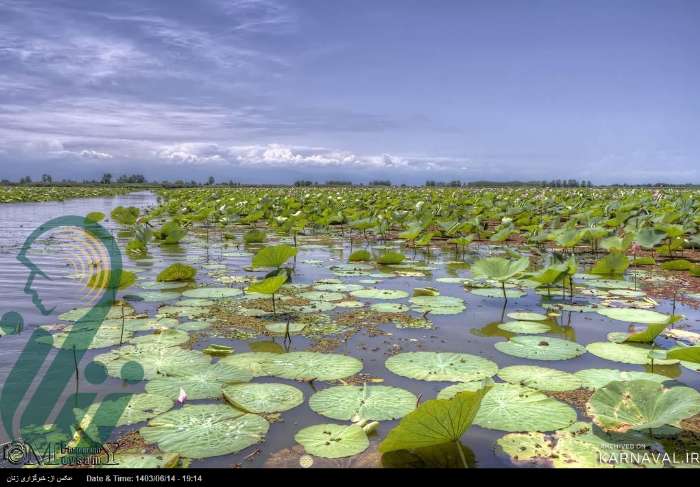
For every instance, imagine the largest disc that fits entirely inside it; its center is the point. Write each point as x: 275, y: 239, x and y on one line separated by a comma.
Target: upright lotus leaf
x: 360, y: 256
x: 686, y: 354
x: 374, y: 403
x: 312, y: 365
x: 597, y: 378
x: 435, y: 422
x: 177, y: 272
x: 441, y: 366
x: 628, y: 353
x: 263, y: 398
x: 641, y: 405
x: 101, y: 280
x: 205, y: 430
x: 268, y: 286
x: 613, y: 263
x: 202, y: 382
x: 616, y: 244
x: 509, y: 407
x: 649, y: 238
x: 540, y: 378
x: 95, y: 216
x: 498, y: 268
x: 646, y: 336
x: 390, y: 258
x: 125, y: 216
x: 170, y: 234
x: 634, y: 315
x: 274, y: 256
x: 333, y: 440
x: 540, y: 348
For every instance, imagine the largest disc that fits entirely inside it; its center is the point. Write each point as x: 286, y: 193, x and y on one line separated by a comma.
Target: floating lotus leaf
x: 212, y: 292
x: 634, y: 315
x: 540, y: 378
x: 438, y: 305
x: 337, y: 288
x: 152, y: 360
x: 322, y: 296
x: 441, y: 366
x: 162, y: 286
x: 641, y: 405
x: 99, y: 419
x: 263, y: 398
x: 157, y: 296
x: 102, y: 337
x: 183, y: 311
x: 207, y: 430
x: 254, y: 362
x: 627, y: 293
x: 201, y: 382
x: 628, y: 353
x: 540, y: 348
x: 113, y: 313
x: 143, y: 460
x: 390, y: 308
x: 509, y: 407
x: 435, y: 422
x: 349, y: 304
x: 611, y: 284
x: 527, y: 316
x: 578, y: 446
x: 597, y: 378
x: 379, y: 294
x: 166, y: 338
x: 377, y: 403
x: 527, y: 327
x: 312, y: 365
x: 494, y: 292
x: 332, y: 440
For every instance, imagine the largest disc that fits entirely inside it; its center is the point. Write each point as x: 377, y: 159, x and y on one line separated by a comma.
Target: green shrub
x: 254, y: 236
x: 390, y: 258
x: 360, y: 256
x: 644, y: 260
x: 177, y: 272
x: 677, y: 265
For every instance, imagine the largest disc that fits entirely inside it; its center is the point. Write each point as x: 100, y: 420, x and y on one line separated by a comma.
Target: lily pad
x: 390, y: 308
x: 379, y: 294
x: 202, y: 382
x: 281, y: 328
x: 376, y: 403
x: 597, y: 378
x: 263, y: 398
x: 527, y: 327
x: 152, y: 361
x: 438, y: 305
x: 641, y: 405
x: 206, y: 430
x: 254, y: 362
x: 312, y: 365
x: 540, y: 348
x: 509, y: 407
x: 527, y: 316
x: 634, y: 315
x: 166, y: 338
x: 540, y: 378
x: 332, y: 440
x: 627, y: 353
x: 441, y: 366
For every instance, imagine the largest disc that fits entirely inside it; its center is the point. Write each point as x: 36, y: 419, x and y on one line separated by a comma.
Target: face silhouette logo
x: 48, y: 370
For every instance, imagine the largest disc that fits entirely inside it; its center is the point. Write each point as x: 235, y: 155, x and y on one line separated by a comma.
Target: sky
x: 273, y: 91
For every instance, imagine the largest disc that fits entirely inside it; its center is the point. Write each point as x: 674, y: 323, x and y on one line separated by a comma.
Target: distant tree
x: 46, y: 178
x: 106, y: 178
x: 26, y: 180
x: 211, y: 180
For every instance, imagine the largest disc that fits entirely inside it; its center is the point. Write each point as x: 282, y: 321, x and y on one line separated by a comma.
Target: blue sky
x: 407, y: 90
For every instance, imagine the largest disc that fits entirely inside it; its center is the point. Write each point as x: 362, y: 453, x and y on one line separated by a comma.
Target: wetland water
x: 471, y: 331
